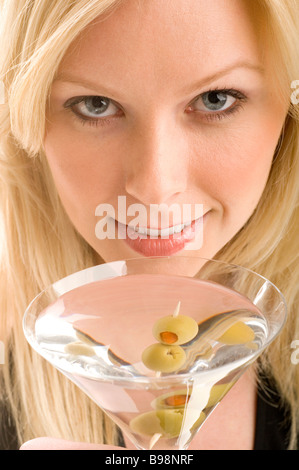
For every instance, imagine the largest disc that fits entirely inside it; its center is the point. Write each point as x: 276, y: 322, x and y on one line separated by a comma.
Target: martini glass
x: 156, y: 342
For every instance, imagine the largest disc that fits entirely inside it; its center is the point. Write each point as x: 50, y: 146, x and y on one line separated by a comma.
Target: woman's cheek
x: 81, y: 166
x: 249, y: 157
x: 233, y: 173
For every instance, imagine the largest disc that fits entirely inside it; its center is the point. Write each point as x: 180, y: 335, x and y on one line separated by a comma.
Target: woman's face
x: 164, y: 103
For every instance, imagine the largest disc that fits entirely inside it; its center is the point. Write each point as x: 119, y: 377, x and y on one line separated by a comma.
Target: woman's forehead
x: 165, y: 38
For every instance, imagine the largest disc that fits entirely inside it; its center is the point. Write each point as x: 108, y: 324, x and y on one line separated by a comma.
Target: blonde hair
x: 40, y: 245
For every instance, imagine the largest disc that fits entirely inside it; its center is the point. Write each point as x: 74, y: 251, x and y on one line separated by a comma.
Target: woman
x: 179, y: 102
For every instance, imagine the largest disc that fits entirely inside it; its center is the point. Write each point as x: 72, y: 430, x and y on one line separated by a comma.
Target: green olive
x: 177, y: 399
x: 238, y: 333
x: 218, y: 392
x: 175, y: 330
x: 198, y: 422
x: 162, y: 358
x: 180, y: 398
x: 79, y: 349
x: 168, y: 423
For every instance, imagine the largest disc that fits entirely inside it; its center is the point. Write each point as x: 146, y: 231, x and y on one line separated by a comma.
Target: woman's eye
x: 92, y: 107
x: 217, y: 104
x: 214, y: 101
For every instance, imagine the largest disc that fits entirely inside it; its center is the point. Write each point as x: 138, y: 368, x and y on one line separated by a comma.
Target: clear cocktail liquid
x: 96, y: 334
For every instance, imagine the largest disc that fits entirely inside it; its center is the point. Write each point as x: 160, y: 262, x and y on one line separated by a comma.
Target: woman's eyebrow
x: 66, y: 78
x: 225, y: 71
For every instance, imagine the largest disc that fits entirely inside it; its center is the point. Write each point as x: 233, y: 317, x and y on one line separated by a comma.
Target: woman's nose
x: 158, y: 163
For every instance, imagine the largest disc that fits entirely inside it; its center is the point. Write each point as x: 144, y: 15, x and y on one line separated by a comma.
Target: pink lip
x: 158, y: 246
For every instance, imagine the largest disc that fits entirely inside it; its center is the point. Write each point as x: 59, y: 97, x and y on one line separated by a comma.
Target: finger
x: 49, y: 443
